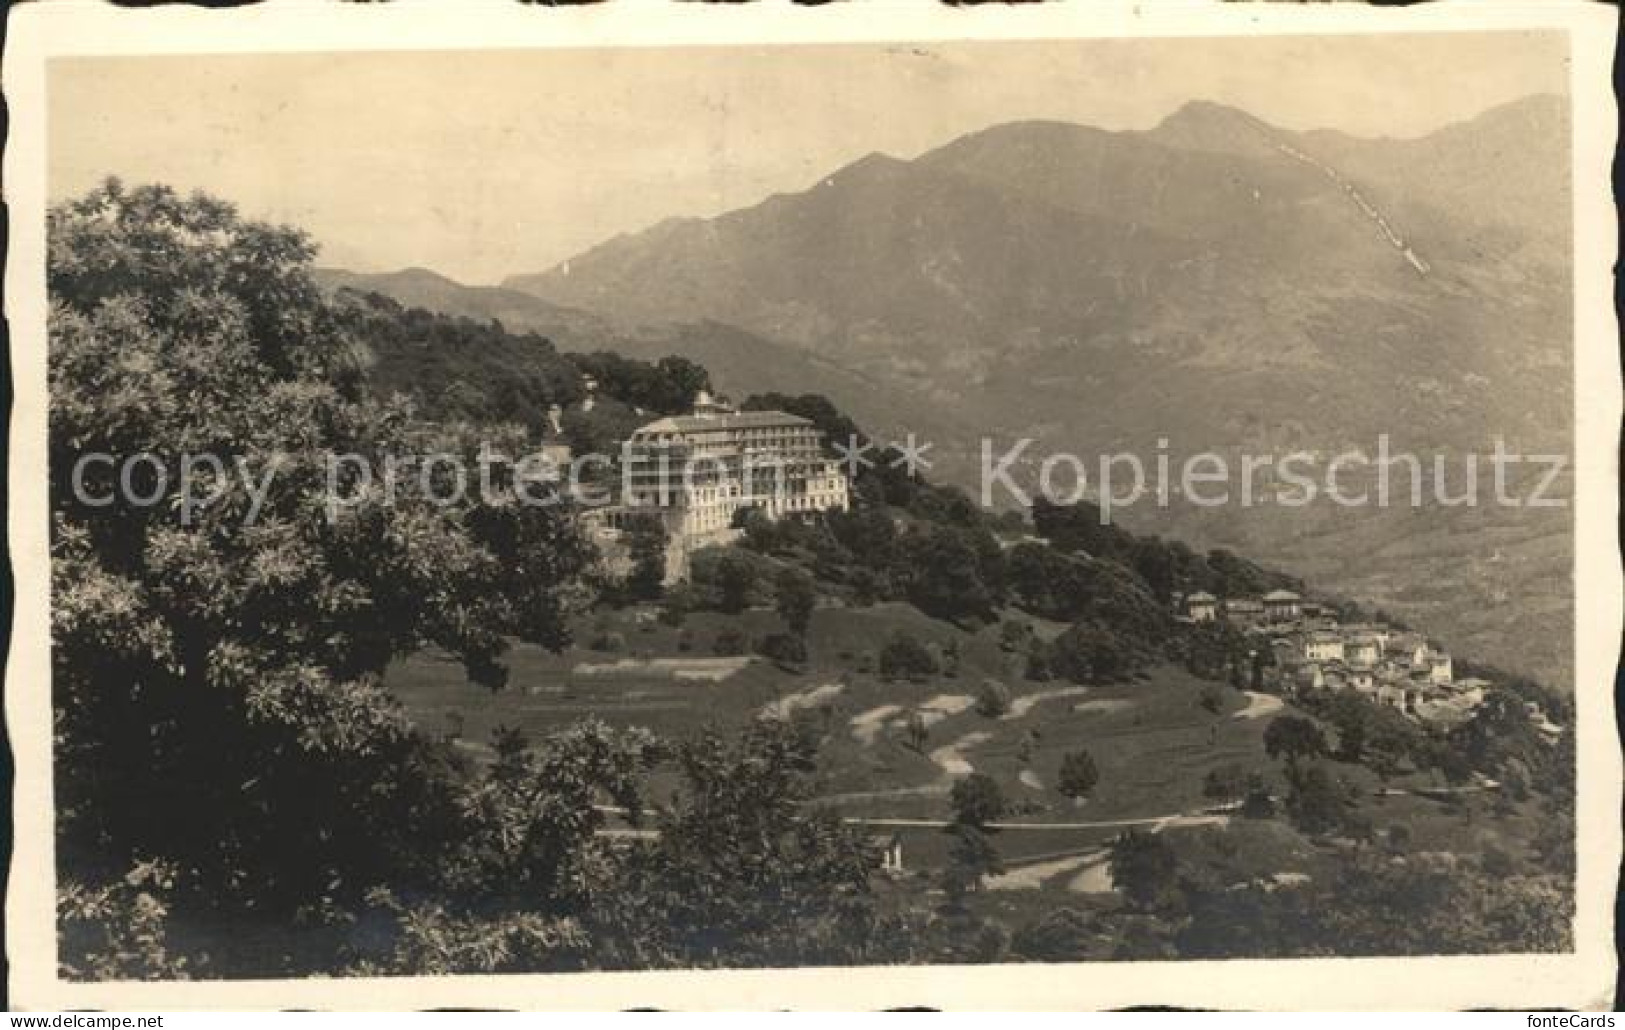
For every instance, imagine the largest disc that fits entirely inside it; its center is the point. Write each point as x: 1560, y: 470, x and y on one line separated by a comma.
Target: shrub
x: 795, y: 597
x: 1039, y: 668
x: 992, y: 699
x: 1258, y: 802
x: 904, y: 657
x: 784, y: 648
x: 729, y: 642
x: 1088, y: 653
x: 1145, y: 868
x: 1079, y: 774
x: 977, y: 800
x: 679, y: 601
x: 1014, y: 634
x: 1226, y: 783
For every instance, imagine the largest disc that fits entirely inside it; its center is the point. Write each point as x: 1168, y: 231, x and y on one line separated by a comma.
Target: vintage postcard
x: 772, y: 507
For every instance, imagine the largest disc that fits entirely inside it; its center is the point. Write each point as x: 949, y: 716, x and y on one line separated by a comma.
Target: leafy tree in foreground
x: 745, y: 872
x: 217, y: 669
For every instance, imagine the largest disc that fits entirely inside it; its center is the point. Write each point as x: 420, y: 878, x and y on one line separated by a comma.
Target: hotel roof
x: 713, y: 423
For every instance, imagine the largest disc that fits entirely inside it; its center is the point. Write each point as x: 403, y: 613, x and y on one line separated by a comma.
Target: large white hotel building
x: 699, y: 471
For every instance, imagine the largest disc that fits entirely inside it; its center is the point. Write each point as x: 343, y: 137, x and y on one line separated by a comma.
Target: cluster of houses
x: 1314, y: 651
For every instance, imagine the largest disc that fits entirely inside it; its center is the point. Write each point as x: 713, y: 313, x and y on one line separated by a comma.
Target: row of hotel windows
x: 721, y: 516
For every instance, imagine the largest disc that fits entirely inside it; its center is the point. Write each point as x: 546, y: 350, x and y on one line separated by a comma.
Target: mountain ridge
x: 1214, y: 280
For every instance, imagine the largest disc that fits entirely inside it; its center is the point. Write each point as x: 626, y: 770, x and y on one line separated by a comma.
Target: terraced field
x: 1150, y: 737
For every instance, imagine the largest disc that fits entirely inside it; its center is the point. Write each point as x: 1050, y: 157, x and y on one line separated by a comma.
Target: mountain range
x: 1214, y: 282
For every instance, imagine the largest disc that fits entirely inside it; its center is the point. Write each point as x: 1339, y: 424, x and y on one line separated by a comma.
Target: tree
x: 729, y: 642
x: 1293, y: 738
x: 1039, y: 658
x: 904, y: 657
x: 971, y: 858
x: 1318, y: 802
x: 735, y: 579
x: 1353, y: 717
x: 1089, y: 653
x: 211, y: 662
x: 1499, y: 732
x: 1226, y: 783
x: 992, y: 699
x: 1212, y: 699
x: 796, y: 597
x: 945, y: 576
x: 1387, y: 752
x: 1258, y: 802
x: 1061, y: 935
x: 647, y: 543
x: 680, y: 380
x: 783, y: 648
x: 1399, y: 837
x: 977, y: 800
x: 676, y: 606
x: 1078, y: 774
x: 1262, y: 658
x: 1028, y: 746
x: 745, y: 871
x: 1144, y: 868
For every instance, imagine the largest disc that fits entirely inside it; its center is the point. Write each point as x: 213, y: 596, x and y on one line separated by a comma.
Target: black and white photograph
x: 1018, y: 500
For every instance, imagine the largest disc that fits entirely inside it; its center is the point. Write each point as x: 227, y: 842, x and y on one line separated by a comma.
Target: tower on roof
x: 708, y: 406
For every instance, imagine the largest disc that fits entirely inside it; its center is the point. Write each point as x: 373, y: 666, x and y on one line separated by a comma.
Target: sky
x: 484, y: 164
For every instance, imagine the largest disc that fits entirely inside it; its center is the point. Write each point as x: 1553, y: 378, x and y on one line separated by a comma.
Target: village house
x: 890, y: 847
x: 1323, y: 646
x: 1363, y: 650
x: 1395, y: 695
x: 1243, y: 611
x: 1406, y: 648
x: 1282, y: 606
x: 1438, y: 666
x: 1201, y: 607
x: 1306, y: 676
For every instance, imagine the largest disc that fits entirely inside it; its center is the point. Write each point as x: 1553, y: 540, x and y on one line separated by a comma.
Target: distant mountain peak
x: 871, y: 165
x: 1206, y: 125
x: 420, y: 273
